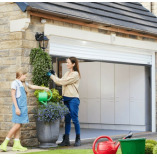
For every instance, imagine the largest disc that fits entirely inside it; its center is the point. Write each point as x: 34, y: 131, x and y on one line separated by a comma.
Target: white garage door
x: 61, y: 46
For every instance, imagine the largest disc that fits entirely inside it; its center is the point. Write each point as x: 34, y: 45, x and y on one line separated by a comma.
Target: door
x: 122, y: 77
x: 137, y: 95
x: 107, y: 93
x: 83, y: 108
x: 93, y: 92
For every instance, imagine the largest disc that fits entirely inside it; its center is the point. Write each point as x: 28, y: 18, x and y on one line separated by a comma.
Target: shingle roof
x: 128, y: 15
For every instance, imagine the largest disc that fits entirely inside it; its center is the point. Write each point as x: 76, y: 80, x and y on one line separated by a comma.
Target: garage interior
x: 113, y: 96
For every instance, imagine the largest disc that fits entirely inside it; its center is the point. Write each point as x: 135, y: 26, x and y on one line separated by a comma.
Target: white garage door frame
x: 96, y: 46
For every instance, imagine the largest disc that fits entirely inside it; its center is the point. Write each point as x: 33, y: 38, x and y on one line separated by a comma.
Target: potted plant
x: 48, y: 119
x: 47, y: 116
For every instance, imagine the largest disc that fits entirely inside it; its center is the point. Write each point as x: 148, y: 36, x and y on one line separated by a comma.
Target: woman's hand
x: 18, y: 112
x: 51, y: 72
x: 48, y: 73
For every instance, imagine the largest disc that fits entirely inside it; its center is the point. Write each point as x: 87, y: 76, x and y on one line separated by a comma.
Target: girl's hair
x: 76, y: 66
x: 19, y: 73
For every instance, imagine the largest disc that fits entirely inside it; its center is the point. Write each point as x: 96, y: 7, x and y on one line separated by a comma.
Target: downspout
x: 151, y: 7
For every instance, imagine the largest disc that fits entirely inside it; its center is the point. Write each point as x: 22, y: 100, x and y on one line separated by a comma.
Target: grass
x: 65, y: 151
x: 119, y: 151
x: 68, y: 151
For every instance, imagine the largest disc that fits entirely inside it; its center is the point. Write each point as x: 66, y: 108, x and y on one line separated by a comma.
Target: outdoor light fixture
x: 43, y: 40
x: 43, y: 21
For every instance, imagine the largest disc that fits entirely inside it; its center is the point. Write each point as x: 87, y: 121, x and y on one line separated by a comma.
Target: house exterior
x: 116, y: 45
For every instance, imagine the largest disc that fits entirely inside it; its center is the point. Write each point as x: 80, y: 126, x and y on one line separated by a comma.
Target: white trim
x: 98, y: 37
x: 153, y: 94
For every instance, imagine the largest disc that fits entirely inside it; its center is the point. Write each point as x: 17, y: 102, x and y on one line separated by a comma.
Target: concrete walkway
x: 88, y: 136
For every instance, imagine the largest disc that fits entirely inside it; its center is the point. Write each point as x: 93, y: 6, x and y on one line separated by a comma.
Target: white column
x: 153, y: 96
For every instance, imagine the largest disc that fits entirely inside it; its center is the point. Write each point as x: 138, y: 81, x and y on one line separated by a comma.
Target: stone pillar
x: 154, y: 8
x: 14, y: 53
x: 28, y: 132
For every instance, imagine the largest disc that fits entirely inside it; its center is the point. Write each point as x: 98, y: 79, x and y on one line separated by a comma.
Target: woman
x: 70, y: 84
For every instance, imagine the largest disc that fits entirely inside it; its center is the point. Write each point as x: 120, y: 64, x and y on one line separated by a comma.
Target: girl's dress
x: 22, y: 104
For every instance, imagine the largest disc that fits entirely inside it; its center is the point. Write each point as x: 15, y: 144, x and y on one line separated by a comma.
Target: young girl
x: 19, y: 109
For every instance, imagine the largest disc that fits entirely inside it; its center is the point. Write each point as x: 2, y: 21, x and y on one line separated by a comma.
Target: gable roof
x: 127, y: 15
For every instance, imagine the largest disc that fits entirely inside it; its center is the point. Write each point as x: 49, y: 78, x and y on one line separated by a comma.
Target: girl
x: 70, y: 84
x: 19, y: 109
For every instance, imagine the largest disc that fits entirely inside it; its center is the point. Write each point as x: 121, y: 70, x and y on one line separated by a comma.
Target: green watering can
x: 43, y: 97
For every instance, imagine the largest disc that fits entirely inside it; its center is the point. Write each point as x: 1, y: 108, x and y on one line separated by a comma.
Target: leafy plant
x: 149, y: 148
x: 41, y: 62
x: 55, y: 95
x: 51, y: 112
x: 155, y: 149
x: 151, y: 141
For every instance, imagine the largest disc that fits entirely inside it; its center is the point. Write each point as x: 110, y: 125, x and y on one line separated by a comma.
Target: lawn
x: 68, y: 151
x: 65, y: 151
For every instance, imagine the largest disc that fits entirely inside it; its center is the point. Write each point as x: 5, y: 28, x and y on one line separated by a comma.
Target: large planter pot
x: 47, y: 133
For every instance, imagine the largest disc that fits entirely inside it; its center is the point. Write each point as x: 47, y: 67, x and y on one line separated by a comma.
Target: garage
x: 115, y: 87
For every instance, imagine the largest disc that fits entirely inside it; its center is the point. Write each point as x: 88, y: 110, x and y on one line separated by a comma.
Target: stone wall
x: 14, y: 53
x: 15, y: 48
x: 10, y: 59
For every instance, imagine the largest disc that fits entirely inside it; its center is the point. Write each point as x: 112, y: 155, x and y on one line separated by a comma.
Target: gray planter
x: 47, y: 133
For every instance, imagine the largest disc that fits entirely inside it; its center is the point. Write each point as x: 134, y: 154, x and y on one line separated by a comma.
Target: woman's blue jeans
x: 73, y: 106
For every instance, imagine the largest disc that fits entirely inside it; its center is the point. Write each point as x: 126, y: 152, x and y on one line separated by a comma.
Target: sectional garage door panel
x: 137, y: 95
x: 93, y: 80
x: 83, y: 81
x: 122, y: 77
x: 137, y: 82
x: 60, y: 46
x: 107, y: 93
x: 107, y: 80
x: 137, y: 113
x: 93, y: 110
x: 83, y: 111
x: 107, y: 111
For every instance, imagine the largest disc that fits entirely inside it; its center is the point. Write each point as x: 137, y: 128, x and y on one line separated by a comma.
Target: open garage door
x: 61, y: 46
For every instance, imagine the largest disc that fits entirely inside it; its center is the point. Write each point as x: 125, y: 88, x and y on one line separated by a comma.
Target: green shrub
x: 149, y: 148
x: 41, y: 63
x: 151, y: 141
x: 155, y: 149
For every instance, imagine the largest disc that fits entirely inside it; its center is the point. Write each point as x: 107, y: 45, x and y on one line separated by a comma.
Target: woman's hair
x: 76, y: 66
x: 19, y: 73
